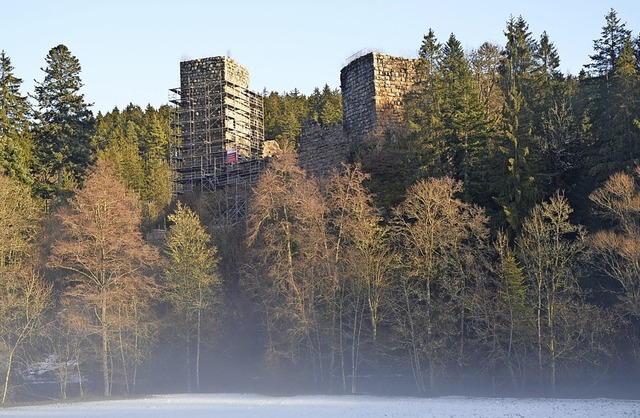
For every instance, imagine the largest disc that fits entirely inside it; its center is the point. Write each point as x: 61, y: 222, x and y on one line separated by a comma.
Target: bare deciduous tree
x: 108, y: 263
x: 24, y: 297
x: 440, y: 235
x: 287, y: 243
x: 550, y: 248
x: 363, y: 263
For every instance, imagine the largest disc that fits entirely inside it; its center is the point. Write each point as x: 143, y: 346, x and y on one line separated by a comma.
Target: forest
x: 491, y: 245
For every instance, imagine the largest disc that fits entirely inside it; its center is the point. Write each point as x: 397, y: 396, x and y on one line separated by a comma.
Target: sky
x: 130, y: 50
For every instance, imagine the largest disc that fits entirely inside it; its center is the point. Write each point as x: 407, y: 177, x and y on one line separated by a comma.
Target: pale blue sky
x: 130, y: 50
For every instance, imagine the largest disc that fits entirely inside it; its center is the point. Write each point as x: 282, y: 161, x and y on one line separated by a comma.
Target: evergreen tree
x: 464, y: 127
x: 191, y: 280
x: 613, y: 110
x: 423, y: 114
x: 636, y: 51
x: 609, y: 46
x: 64, y: 126
x: 518, y: 190
x: 15, y: 137
x: 154, y: 142
x: 330, y: 112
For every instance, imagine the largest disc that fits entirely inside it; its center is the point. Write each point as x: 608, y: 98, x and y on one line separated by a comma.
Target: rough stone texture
x: 221, y: 125
x: 323, y: 149
x: 373, y: 89
x: 200, y: 72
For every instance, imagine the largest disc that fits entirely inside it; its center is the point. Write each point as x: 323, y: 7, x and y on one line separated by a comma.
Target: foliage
x: 137, y: 142
x: 15, y: 133
x: 24, y: 295
x: 64, y: 126
x: 191, y: 280
x: 451, y: 255
x: 443, y: 239
x: 108, y: 281
x: 285, y: 114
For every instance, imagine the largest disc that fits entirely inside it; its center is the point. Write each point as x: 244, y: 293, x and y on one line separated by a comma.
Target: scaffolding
x: 219, y: 132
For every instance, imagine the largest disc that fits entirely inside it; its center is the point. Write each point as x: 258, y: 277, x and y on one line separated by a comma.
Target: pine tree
x: 423, y: 113
x: 331, y: 107
x: 464, y: 127
x: 15, y: 136
x: 614, y: 113
x: 609, y: 46
x: 191, y: 280
x: 64, y: 126
x: 518, y: 190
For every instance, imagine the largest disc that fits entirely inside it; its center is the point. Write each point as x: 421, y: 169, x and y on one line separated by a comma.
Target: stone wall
x: 221, y: 125
x: 373, y: 89
x: 358, y: 96
x: 200, y: 72
x: 393, y: 77
x: 323, y: 148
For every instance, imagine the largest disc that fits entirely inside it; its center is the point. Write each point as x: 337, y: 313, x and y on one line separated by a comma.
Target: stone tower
x: 373, y: 89
x: 220, y: 125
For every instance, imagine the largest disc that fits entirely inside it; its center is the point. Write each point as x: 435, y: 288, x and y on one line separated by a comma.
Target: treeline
x: 450, y: 250
x: 285, y: 114
x: 447, y: 253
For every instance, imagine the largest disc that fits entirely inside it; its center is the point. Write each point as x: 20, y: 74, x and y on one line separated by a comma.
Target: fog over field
x: 245, y: 406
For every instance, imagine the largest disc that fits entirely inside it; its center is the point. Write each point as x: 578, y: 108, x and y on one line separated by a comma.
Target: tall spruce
x: 608, y: 47
x: 518, y: 191
x: 614, y: 97
x: 464, y: 125
x: 423, y: 111
x: 64, y: 125
x: 15, y: 135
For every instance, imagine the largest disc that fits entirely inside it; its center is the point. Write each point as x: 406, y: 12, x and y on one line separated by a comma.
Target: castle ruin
x: 220, y: 124
x: 220, y: 121
x: 373, y: 88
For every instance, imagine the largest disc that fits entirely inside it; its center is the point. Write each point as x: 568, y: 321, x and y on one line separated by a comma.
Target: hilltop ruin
x: 220, y: 122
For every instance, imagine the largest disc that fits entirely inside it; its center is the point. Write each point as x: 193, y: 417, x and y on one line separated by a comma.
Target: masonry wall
x: 323, y: 148
x: 358, y: 96
x: 221, y: 125
x: 373, y: 89
x: 394, y: 77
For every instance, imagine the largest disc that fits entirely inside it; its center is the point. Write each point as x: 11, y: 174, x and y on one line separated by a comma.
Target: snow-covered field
x: 241, y: 406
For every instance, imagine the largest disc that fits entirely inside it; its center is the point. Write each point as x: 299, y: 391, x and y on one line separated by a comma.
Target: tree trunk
x: 414, y: 353
x: 5, y: 389
x: 105, y: 347
x: 189, y: 383
x: 198, y: 350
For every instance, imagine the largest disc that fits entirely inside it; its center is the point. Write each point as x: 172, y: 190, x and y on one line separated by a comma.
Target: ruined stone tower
x: 373, y: 89
x: 220, y: 126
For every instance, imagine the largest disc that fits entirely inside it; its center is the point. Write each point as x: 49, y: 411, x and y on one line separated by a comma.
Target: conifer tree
x: 609, y: 46
x: 614, y: 111
x: 518, y: 191
x: 64, y: 125
x: 427, y: 151
x: 15, y: 136
x: 464, y: 126
x: 191, y: 280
